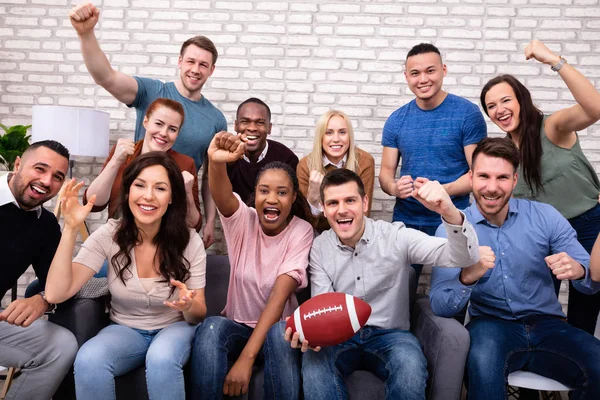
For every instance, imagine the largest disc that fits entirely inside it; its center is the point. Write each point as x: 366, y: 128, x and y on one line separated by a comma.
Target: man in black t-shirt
x: 29, y: 235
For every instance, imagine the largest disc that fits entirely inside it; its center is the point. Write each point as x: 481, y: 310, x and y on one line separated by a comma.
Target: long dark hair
x: 300, y: 207
x: 530, y: 123
x: 172, y: 237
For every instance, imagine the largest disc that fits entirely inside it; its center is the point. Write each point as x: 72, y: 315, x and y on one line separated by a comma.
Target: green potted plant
x: 12, y: 144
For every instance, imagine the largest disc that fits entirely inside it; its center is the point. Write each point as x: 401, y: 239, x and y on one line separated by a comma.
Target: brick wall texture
x: 301, y: 57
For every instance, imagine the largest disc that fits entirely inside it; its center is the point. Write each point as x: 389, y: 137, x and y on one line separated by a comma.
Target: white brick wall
x: 300, y: 57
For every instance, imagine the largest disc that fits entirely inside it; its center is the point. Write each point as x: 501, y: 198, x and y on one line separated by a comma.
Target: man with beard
x: 253, y: 119
x: 196, y: 64
x: 517, y: 322
x: 29, y: 236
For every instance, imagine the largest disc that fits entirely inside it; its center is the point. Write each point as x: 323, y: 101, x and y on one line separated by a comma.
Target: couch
x: 445, y: 343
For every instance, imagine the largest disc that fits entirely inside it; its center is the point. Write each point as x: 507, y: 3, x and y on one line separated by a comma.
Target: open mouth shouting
x: 38, y: 191
x: 252, y: 140
x: 505, y: 120
x: 344, y: 223
x: 271, y: 214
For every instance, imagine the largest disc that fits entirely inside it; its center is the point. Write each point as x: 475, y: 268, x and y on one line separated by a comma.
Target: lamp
x: 84, y: 131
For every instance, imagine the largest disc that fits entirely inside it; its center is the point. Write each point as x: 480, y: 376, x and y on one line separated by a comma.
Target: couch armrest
x: 445, y: 344
x: 83, y: 317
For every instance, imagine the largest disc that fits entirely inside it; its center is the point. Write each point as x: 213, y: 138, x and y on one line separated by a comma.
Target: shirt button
x: 505, y: 276
x: 455, y: 231
x: 501, y: 254
x: 356, y: 253
x: 358, y: 278
x: 509, y: 300
x: 464, y: 291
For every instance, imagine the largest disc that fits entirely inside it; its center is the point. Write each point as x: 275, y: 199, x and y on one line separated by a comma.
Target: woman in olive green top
x: 553, y: 168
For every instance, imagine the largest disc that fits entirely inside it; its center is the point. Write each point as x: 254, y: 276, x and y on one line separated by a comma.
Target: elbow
x: 52, y: 297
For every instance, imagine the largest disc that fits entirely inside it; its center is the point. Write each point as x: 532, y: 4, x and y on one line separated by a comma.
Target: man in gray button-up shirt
x: 371, y: 260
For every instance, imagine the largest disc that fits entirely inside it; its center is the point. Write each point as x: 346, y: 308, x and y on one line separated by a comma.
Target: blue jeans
x: 394, y: 356
x: 118, y: 349
x: 544, y: 345
x: 583, y: 309
x: 430, y: 230
x: 218, y: 344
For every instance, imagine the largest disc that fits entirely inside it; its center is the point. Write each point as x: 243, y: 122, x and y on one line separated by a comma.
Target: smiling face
x: 273, y: 200
x: 493, y: 180
x: 150, y: 196
x: 37, y: 177
x: 162, y: 128
x: 502, y: 107
x: 196, y: 66
x: 425, y: 75
x: 344, y: 209
x: 253, y: 121
x: 336, y: 139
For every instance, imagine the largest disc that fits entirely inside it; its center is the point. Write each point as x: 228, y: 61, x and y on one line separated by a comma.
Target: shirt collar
x: 262, y: 155
x: 477, y: 217
x: 340, y: 164
x: 6, y: 195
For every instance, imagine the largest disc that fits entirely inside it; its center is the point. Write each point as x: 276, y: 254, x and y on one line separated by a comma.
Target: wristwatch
x: 51, y: 307
x: 559, y: 64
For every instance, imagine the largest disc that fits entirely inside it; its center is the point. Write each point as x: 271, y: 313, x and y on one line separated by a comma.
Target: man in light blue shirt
x: 516, y: 320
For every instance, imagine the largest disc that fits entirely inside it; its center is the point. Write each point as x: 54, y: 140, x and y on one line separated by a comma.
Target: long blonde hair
x: 315, y: 158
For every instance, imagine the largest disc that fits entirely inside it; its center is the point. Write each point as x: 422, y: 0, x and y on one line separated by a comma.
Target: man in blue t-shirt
x: 202, y: 119
x: 435, y: 134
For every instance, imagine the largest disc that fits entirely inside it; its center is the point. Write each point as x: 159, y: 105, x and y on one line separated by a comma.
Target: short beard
x: 19, y: 190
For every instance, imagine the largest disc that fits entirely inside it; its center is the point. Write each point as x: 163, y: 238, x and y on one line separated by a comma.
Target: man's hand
x: 564, y: 267
x: 473, y: 273
x: 541, y: 53
x: 84, y: 18
x: 226, y: 147
x: 433, y: 196
x: 23, y: 312
x: 123, y: 149
x: 294, y: 341
x: 403, y: 187
x: 314, y: 188
x: 238, y: 378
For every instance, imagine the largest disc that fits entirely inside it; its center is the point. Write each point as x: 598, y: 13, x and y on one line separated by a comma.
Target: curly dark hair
x: 300, y: 207
x: 173, y: 235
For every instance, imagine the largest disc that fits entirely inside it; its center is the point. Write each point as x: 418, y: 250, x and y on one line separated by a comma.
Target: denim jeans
x: 544, y: 345
x: 583, y: 309
x: 218, y: 344
x: 430, y: 230
x: 394, y: 356
x: 118, y: 349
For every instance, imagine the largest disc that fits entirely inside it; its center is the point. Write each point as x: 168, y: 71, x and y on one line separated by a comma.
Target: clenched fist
x: 433, y: 196
x: 473, y: 273
x: 123, y: 149
x: 564, y: 267
x: 226, y: 147
x: 541, y: 53
x: 84, y: 18
x: 314, y: 188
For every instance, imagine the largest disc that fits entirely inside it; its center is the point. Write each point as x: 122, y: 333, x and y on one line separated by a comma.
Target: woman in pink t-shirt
x: 268, y: 246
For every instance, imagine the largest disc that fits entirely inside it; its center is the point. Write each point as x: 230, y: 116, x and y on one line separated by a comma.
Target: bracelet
x: 559, y: 64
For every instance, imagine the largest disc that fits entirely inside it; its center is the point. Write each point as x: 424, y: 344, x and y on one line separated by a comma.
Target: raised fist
x: 84, y: 18
x: 226, y: 147
x: 541, y: 53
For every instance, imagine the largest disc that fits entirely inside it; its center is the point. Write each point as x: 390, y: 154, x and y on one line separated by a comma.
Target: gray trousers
x: 44, y: 352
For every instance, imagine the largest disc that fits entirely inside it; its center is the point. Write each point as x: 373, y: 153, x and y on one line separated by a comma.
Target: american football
x: 329, y: 318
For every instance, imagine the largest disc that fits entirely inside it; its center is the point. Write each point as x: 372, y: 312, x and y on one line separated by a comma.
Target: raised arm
x: 123, y: 87
x: 225, y: 147
x: 387, y: 173
x: 210, y: 209
x: 65, y: 277
x: 102, y: 185
x: 561, y: 126
x: 463, y: 184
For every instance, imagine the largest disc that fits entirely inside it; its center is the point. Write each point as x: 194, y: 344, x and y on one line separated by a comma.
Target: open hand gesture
x: 74, y: 213
x: 84, y: 18
x: 226, y: 147
x: 186, y: 297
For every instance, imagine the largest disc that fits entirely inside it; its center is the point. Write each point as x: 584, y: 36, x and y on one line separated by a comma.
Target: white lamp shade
x: 84, y: 131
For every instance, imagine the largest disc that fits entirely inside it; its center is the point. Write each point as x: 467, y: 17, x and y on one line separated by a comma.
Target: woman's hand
x: 226, y: 147
x: 541, y: 53
x: 314, y: 188
x: 186, y: 297
x: 238, y: 378
x: 123, y: 149
x: 74, y: 213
